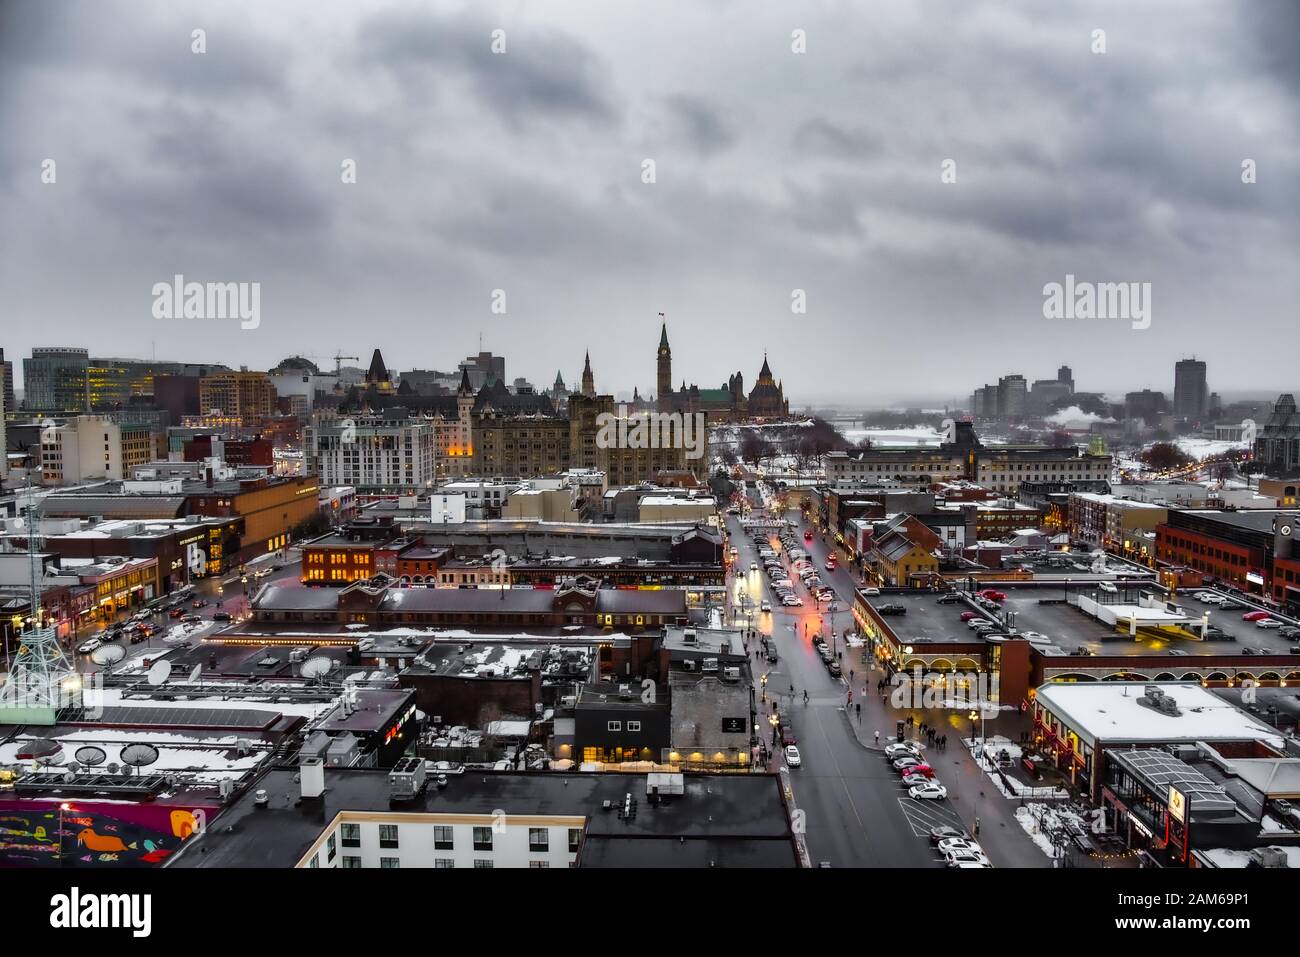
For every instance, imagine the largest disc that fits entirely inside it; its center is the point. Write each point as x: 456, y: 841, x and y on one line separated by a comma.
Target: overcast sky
x: 775, y: 171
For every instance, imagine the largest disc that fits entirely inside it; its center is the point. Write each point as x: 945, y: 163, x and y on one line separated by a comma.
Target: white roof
x: 1109, y: 712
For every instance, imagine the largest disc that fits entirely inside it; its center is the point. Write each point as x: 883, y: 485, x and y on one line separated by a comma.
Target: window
x: 442, y: 839
x: 613, y: 725
x: 539, y: 839
x: 351, y: 834
x: 389, y: 863
x: 483, y: 864
x: 634, y: 725
x: 539, y: 864
x: 329, y: 848
x: 482, y: 838
x: 443, y: 863
x: 351, y: 863
x: 388, y: 835
x: 575, y: 839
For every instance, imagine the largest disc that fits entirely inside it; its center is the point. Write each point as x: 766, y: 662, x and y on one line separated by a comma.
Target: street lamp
x: 65, y: 806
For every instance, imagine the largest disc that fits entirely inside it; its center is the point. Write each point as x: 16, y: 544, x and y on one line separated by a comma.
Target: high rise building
x: 1066, y: 374
x: 54, y: 380
x: 1013, y: 393
x: 90, y: 447
x: 247, y: 396
x: 1190, y: 394
x: 7, y: 366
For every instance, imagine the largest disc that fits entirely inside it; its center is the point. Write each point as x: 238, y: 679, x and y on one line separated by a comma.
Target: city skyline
x: 776, y: 172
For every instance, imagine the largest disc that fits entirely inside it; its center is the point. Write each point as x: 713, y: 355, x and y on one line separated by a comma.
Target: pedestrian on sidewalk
x: 877, y: 738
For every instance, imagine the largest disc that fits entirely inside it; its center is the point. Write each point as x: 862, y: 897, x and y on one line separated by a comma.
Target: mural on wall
x: 94, y: 833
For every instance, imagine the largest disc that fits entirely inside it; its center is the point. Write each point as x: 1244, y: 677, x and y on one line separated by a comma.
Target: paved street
x: 857, y: 812
x: 224, y: 593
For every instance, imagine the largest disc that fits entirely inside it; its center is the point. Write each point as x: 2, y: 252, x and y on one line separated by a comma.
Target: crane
x: 338, y: 358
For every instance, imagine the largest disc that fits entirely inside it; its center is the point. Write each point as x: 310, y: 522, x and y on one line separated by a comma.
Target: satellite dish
x: 91, y: 756
x: 38, y: 749
x: 139, y: 755
x: 315, y: 667
x: 108, y: 654
x: 160, y: 672
x: 194, y: 675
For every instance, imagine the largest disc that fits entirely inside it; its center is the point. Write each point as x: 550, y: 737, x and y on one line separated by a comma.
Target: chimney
x: 312, y: 774
x: 207, y: 474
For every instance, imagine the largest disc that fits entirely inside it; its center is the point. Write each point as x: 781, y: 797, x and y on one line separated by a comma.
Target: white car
x: 764, y: 605
x: 1268, y: 623
x: 871, y: 591
x: 791, y: 601
x: 782, y: 583
x: 912, y: 780
x: 902, y: 750
x: 792, y: 756
x: 953, y: 845
x: 928, y: 792
x: 753, y: 566
x: 89, y: 645
x: 970, y: 862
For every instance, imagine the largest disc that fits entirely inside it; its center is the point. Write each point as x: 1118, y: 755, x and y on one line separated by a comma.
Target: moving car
x: 221, y: 616
x: 970, y: 615
x: 89, y: 645
x: 831, y: 563
x: 176, y: 613
x: 1254, y: 616
x: 753, y: 566
x: 928, y: 792
x: 792, y: 756
x: 764, y: 605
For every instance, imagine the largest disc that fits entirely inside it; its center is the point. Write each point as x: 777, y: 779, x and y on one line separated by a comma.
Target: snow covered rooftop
x: 1109, y: 712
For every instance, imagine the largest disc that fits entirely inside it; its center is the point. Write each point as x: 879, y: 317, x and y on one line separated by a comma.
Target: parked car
x: 927, y: 792
x: 791, y: 601
x: 1268, y: 623
x: 871, y: 591
x: 970, y: 615
x: 787, y: 737
x: 949, y: 598
x: 901, y: 749
x: 792, y: 757
x: 906, y: 763
x: 966, y: 861
x: 221, y: 616
x: 1254, y: 616
x: 957, y: 844
x: 923, y: 769
x: 943, y: 833
x: 911, y: 780
x: 834, y: 668
x: 190, y: 619
x: 199, y: 603
x: 892, y: 609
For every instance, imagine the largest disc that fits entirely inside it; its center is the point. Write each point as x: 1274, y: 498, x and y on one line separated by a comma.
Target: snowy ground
x: 1038, y: 820
x: 916, y: 435
x: 1013, y: 788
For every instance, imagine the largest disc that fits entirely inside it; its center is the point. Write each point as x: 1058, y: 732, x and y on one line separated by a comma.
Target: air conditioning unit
x: 731, y: 674
x: 689, y: 664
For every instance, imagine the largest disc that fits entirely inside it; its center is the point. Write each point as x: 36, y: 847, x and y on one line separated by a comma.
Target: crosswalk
x: 923, y: 815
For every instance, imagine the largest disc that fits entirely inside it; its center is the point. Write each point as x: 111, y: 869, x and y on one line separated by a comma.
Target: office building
x: 54, y: 380
x: 89, y: 447
x: 246, y: 396
x: 1191, y: 398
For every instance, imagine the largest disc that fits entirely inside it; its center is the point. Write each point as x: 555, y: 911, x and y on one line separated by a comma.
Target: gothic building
x: 728, y: 403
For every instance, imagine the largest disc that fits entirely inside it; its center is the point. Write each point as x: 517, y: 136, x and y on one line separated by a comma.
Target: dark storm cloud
x: 542, y: 74
x: 775, y: 171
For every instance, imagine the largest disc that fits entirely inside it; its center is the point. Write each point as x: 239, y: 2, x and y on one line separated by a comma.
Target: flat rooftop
x: 1043, y: 609
x: 737, y: 818
x: 1110, y: 712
